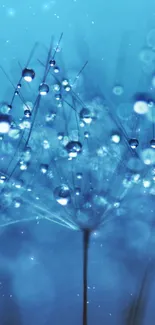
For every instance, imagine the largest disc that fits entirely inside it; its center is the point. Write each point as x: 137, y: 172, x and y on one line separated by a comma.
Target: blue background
x: 41, y: 264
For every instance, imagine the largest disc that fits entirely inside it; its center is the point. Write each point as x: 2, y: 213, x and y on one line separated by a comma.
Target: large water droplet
x: 86, y: 115
x: 73, y: 148
x: 5, y: 123
x: 28, y: 74
x: 62, y: 194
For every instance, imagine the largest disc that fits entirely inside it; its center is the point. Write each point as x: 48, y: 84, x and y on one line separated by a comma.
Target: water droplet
x: 62, y: 194
x: 56, y: 69
x: 43, y: 89
x: 79, y: 175
x: 27, y: 113
x: 115, y: 137
x: 152, y: 143
x: 77, y: 191
x: 5, y: 123
x: 43, y: 168
x: 56, y: 87
x: 140, y: 107
x: 86, y: 116
x: 17, y: 203
x: 5, y: 108
x: 52, y: 63
x: 118, y: 90
x: 146, y: 183
x: 28, y: 74
x: 73, y: 148
x: 26, y: 154
x: 133, y: 143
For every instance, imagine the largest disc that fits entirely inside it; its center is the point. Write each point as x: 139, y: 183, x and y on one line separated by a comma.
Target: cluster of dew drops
x: 68, y: 159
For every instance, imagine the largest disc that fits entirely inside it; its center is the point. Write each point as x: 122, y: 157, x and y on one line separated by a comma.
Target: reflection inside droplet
x: 62, y: 194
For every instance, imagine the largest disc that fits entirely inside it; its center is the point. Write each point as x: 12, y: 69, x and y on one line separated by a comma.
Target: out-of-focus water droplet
x: 65, y: 82
x: 50, y: 174
x: 115, y: 137
x: 62, y: 194
x: 124, y: 111
x: 46, y: 144
x: 116, y: 204
x: 118, y: 90
x: 5, y: 108
x: 146, y: 183
x: 136, y: 178
x: 66, y: 85
x: 50, y: 117
x: 99, y: 200
x: 23, y: 165
x: 102, y: 151
x: 25, y: 123
x: 26, y: 154
x: 135, y: 164
x: 14, y: 133
x: 151, y: 38
x: 140, y: 107
x: 17, y: 203
x: 56, y: 87
x: 29, y: 189
x: 147, y: 56
x: 148, y: 156
x: 65, y: 140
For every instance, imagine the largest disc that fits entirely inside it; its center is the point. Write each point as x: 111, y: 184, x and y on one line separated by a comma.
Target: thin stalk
x: 86, y: 238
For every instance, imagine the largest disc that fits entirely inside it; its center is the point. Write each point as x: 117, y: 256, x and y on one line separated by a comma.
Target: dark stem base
x: 86, y: 238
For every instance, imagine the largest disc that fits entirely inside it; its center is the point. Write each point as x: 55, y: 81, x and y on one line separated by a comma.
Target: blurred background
x: 41, y: 263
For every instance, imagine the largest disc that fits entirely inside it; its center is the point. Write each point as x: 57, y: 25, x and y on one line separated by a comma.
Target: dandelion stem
x: 86, y: 238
